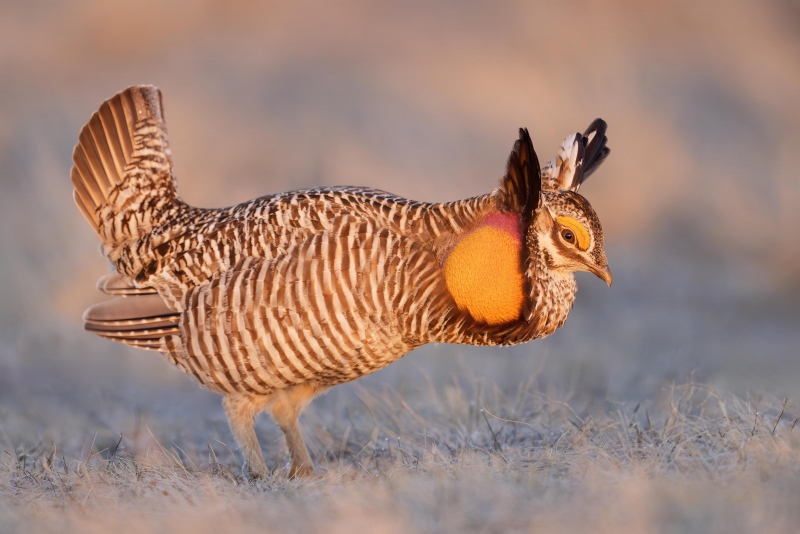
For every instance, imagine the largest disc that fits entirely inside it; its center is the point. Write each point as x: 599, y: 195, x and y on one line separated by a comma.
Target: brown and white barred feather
x: 316, y: 286
x: 320, y: 285
x: 273, y: 300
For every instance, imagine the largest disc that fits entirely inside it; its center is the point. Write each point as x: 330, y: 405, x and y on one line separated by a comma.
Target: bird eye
x: 568, y: 236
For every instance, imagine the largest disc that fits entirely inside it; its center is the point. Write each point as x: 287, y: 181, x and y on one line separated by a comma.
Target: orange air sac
x: 484, y: 271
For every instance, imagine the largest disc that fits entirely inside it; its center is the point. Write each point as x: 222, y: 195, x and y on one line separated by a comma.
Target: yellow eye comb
x: 580, y: 231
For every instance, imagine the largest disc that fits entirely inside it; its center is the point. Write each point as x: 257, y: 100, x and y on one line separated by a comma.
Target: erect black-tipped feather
x: 596, y: 150
x: 577, y: 176
x: 522, y: 183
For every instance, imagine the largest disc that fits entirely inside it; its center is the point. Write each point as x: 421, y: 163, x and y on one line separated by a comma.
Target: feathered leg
x: 241, y: 411
x: 285, y: 406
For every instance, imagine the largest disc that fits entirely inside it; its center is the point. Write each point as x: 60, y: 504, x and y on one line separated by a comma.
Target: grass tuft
x: 462, y: 458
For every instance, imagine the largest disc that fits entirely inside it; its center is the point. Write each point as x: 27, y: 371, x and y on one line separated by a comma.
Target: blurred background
x: 699, y: 199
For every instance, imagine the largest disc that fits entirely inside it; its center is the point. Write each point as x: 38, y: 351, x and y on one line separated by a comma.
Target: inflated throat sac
x: 484, y: 271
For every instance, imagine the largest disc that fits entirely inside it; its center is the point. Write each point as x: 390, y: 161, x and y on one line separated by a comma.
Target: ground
x: 464, y: 458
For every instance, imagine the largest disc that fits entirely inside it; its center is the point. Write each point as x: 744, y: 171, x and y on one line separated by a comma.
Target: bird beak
x: 604, y: 273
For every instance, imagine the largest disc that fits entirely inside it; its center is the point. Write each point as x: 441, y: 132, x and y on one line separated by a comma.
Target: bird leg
x: 241, y: 410
x: 285, y: 406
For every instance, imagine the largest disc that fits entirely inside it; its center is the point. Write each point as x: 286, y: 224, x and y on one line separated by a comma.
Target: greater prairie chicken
x: 272, y: 301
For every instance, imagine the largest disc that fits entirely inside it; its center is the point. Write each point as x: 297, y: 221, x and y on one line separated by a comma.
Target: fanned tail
x: 124, y: 187
x: 122, y: 170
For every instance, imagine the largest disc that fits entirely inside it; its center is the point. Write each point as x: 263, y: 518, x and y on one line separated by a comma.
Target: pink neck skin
x: 507, y: 222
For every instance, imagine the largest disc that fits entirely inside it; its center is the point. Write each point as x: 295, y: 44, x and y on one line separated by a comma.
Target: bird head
x: 569, y: 235
x: 562, y: 227
x: 543, y: 227
x: 567, y: 228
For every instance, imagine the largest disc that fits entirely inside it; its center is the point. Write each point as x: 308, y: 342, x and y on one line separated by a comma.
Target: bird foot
x: 302, y: 471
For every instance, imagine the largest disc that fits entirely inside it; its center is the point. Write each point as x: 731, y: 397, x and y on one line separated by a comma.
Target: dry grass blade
x: 610, y: 466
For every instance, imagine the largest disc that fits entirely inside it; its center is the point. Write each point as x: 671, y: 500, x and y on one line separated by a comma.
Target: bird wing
x: 142, y: 321
x: 121, y: 286
x: 326, y: 310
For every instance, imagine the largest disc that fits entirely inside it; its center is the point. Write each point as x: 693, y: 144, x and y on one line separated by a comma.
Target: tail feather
x: 122, y: 175
x: 90, y: 216
x: 104, y: 149
x: 122, y: 169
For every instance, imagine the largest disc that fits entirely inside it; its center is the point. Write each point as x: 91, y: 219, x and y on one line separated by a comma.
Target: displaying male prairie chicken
x: 273, y: 301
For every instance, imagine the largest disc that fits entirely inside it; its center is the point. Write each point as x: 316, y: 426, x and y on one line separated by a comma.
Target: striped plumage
x: 274, y: 300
